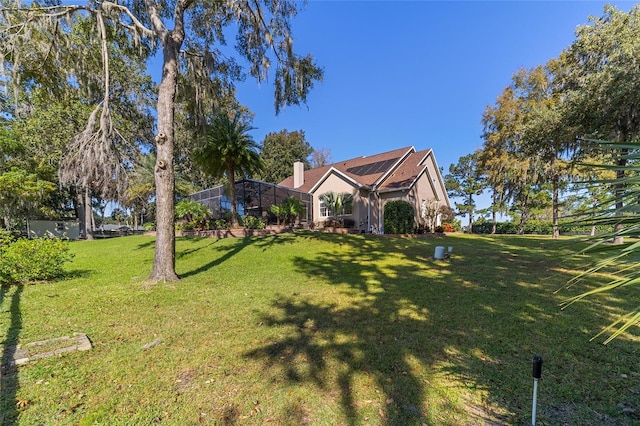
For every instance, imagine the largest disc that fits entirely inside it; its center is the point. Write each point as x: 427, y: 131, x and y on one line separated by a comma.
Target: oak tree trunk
x: 165, y: 257
x: 470, y: 201
x: 79, y: 205
x: 88, y: 215
x: 556, y: 206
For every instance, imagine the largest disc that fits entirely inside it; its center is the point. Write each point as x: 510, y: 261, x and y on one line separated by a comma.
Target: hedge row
x: 533, y: 227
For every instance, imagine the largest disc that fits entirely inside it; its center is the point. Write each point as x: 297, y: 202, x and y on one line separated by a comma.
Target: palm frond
x: 620, y: 213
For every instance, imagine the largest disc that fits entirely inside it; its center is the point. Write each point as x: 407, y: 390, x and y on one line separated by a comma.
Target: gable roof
x: 407, y: 173
x: 364, y: 171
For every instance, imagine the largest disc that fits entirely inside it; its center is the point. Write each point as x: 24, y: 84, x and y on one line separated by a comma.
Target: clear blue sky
x: 401, y: 73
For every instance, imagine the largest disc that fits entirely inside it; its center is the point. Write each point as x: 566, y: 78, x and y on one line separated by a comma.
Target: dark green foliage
x: 228, y: 150
x: 40, y: 259
x: 348, y: 222
x: 191, y: 210
x: 534, y: 226
x: 220, y: 224
x: 289, y: 209
x: 253, y: 222
x: 465, y: 180
x: 399, y: 217
x: 280, y: 150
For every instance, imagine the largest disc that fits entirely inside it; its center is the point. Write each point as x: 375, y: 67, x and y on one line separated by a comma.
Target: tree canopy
x: 228, y: 150
x: 280, y: 150
x: 465, y: 180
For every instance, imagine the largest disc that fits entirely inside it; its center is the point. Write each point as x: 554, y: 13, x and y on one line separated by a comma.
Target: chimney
x: 298, y: 174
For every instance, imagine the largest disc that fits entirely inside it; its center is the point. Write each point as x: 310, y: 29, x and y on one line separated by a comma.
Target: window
x: 324, y: 210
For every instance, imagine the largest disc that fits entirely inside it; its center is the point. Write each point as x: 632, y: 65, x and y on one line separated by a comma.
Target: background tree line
x: 539, y: 136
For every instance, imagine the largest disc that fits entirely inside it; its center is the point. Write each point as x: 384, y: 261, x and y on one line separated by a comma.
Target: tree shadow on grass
x: 228, y: 253
x: 235, y: 246
x: 270, y: 241
x: 189, y: 251
x: 9, y: 383
x: 78, y: 273
x: 415, y: 326
x: 150, y: 243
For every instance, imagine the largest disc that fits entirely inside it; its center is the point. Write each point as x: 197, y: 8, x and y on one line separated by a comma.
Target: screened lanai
x: 253, y: 198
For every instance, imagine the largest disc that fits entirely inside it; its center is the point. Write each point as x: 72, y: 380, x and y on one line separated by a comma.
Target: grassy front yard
x: 320, y: 329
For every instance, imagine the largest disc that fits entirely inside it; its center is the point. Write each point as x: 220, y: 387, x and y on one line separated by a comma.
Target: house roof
x: 366, y: 170
x: 407, y: 172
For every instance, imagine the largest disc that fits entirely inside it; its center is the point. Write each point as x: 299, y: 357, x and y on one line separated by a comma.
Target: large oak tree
x: 190, y: 36
x: 601, y: 84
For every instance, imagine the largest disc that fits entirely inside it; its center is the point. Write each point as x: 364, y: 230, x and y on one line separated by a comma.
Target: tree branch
x: 108, y: 6
x: 156, y: 19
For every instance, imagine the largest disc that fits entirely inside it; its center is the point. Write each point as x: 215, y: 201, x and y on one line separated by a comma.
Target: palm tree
x: 228, y: 150
x: 293, y: 207
x: 337, y: 203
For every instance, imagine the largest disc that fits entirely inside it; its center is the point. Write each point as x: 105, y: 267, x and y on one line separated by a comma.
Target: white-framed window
x: 327, y: 212
x: 324, y: 210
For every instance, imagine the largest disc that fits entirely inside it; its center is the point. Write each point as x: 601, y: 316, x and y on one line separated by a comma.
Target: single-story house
x: 68, y: 228
x: 401, y: 174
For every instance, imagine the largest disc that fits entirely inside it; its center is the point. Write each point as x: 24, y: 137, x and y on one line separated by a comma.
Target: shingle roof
x: 368, y: 170
x: 407, y: 172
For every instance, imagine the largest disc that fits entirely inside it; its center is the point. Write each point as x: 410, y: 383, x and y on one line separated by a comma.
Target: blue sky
x: 402, y: 73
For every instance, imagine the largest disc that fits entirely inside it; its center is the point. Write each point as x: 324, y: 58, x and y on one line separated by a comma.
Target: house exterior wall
x: 424, y: 192
x: 434, y: 175
x: 367, y: 212
x: 51, y: 228
x: 335, y: 183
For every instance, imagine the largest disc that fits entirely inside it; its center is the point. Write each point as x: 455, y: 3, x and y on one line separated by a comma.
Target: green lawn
x: 320, y: 329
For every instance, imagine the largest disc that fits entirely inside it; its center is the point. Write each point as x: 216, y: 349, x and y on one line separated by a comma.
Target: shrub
x: 534, y: 226
x: 447, y: 227
x: 398, y: 217
x: 39, y: 259
x: 422, y: 229
x: 455, y: 225
x: 5, y: 238
x: 331, y: 223
x: 191, y: 210
x: 220, y: 224
x: 190, y: 225
x: 348, y: 222
x: 253, y: 222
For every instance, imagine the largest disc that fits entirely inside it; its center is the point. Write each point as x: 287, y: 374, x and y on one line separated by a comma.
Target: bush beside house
x: 399, y: 217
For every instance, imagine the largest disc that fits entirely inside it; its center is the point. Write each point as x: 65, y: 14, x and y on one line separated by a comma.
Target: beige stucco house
x: 401, y: 174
